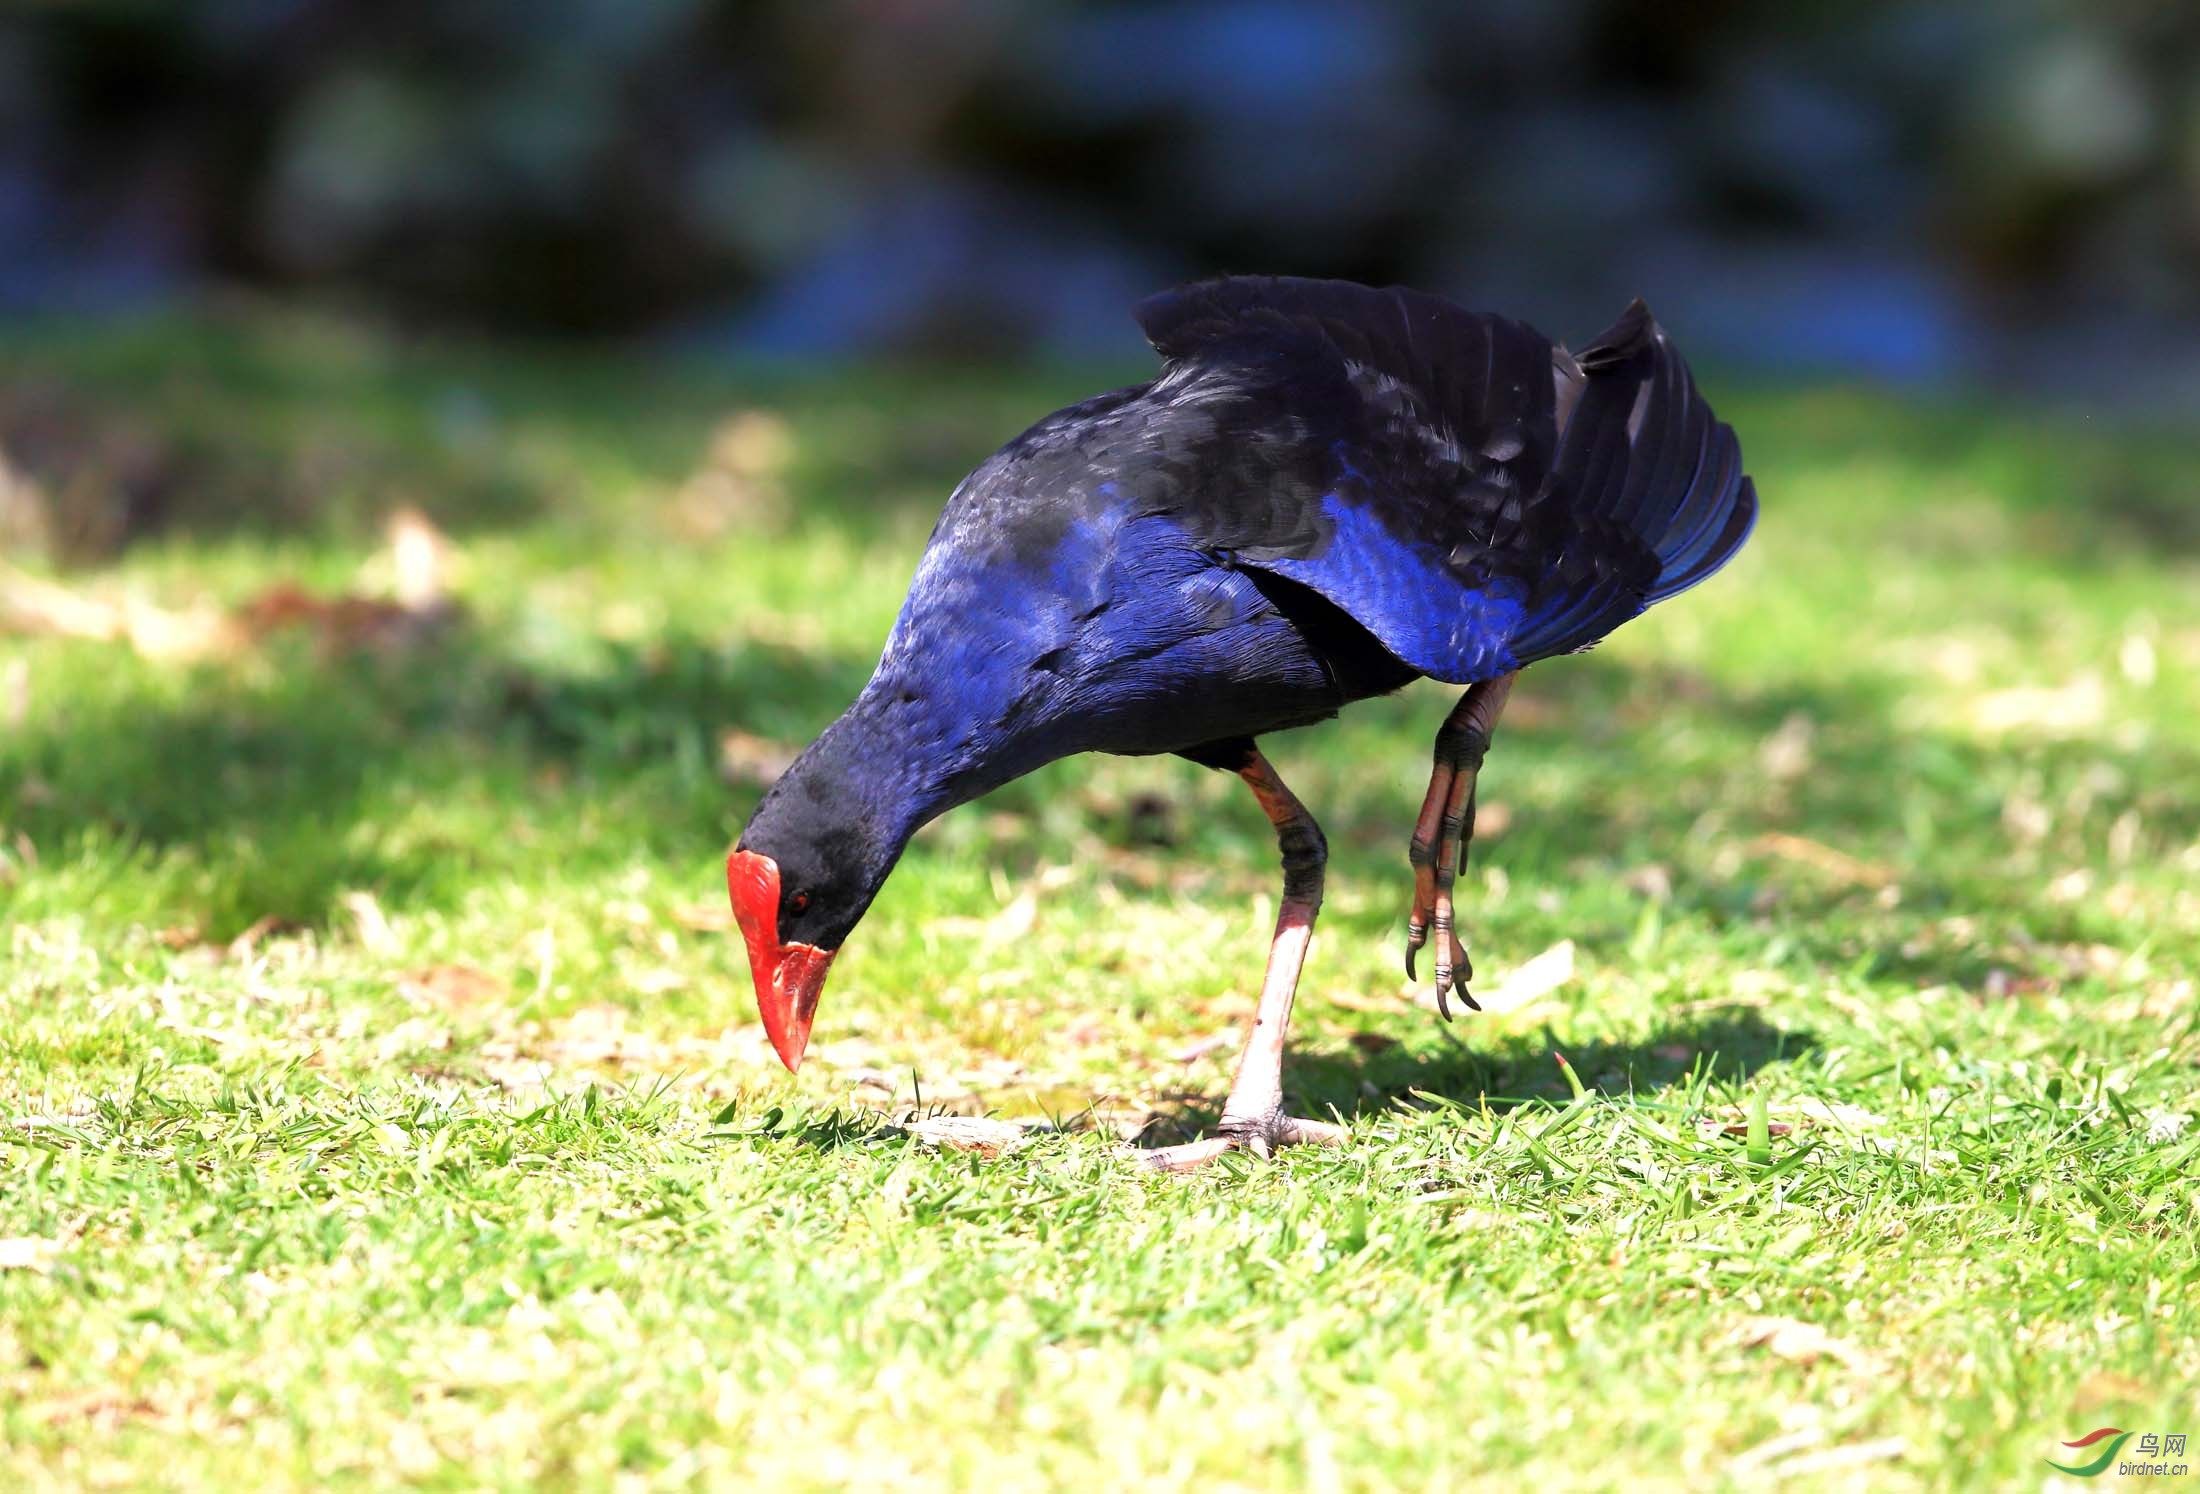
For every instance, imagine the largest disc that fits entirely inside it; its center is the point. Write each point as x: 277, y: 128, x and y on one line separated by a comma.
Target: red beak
x: 788, y: 977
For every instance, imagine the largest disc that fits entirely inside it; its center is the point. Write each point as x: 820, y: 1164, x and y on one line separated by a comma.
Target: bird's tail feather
x: 1646, y: 452
x: 1654, y: 488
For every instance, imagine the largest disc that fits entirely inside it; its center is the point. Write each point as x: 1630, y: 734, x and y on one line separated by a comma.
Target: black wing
x: 1468, y: 491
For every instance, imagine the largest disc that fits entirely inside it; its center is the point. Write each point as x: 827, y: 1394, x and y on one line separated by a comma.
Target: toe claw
x: 1452, y: 973
x: 1452, y: 976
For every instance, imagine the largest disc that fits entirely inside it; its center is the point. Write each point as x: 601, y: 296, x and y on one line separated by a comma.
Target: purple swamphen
x: 1330, y: 491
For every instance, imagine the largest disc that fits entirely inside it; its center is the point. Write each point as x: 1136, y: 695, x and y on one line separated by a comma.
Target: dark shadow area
x: 1728, y: 1047
x: 279, y: 426
x: 2085, y: 492
x: 289, y: 793
x: 2136, y: 496
x: 267, y: 427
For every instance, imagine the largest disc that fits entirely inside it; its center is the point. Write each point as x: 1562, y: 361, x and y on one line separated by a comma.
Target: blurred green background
x: 1925, y: 190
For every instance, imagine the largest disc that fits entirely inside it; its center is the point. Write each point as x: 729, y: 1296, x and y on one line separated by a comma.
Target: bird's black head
x: 827, y: 875
x: 810, y: 861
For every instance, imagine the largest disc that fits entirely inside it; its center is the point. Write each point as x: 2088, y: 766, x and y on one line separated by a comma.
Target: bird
x: 1328, y: 492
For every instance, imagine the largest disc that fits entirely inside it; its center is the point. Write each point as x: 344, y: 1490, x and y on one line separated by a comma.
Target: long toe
x: 1259, y: 1137
x: 1462, y: 971
x: 1416, y: 937
x: 1291, y: 1131
x: 1189, y: 1157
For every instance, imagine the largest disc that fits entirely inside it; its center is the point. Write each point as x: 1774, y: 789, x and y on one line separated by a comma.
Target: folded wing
x: 1472, y: 494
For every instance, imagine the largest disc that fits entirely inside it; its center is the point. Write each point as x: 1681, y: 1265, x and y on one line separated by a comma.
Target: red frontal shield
x: 788, y: 977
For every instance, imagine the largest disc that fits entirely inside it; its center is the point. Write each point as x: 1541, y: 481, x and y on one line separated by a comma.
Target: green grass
x: 1889, y: 831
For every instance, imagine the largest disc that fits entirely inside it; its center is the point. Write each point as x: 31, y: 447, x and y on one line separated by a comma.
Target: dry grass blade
x: 1799, y: 1342
x: 1818, y: 856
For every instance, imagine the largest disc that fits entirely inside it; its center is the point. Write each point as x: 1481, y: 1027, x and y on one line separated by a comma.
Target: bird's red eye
x: 800, y: 902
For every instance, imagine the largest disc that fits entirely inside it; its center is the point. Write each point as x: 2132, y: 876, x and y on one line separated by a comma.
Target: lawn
x: 384, y: 1101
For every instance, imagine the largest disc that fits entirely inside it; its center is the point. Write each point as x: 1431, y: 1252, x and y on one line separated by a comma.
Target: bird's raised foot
x: 1441, y: 834
x: 1453, y: 969
x: 1260, y: 1137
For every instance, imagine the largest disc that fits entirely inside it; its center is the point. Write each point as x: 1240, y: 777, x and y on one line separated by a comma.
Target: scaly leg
x: 1253, y: 1115
x: 1443, y: 832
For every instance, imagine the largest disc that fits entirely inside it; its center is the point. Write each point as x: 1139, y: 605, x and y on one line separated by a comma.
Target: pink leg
x: 1253, y: 1115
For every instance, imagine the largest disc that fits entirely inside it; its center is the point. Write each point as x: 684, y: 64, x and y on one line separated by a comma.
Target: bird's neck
x: 907, y: 751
